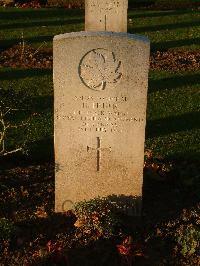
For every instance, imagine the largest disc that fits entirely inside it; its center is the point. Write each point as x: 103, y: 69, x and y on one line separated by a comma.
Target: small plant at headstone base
x: 97, y: 218
x: 188, y: 240
x: 7, y: 229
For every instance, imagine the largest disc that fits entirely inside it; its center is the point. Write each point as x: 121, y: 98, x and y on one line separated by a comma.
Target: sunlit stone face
x: 100, y: 88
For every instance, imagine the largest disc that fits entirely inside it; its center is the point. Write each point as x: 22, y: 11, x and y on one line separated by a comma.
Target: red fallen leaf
x: 49, y: 246
x: 130, y: 249
x: 53, y: 247
x: 125, y: 250
x: 36, y: 254
x: 41, y: 213
x: 95, y: 217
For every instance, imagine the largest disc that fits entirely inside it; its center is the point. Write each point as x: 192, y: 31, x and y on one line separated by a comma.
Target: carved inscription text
x: 101, y: 114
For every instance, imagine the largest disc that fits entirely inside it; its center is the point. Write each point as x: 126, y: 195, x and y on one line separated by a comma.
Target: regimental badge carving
x: 98, y: 68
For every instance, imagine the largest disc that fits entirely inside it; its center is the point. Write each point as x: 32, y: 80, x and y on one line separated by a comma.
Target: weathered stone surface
x: 106, y: 15
x: 100, y: 84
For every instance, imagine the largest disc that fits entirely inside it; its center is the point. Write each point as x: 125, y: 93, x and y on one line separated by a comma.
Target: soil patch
x: 29, y: 57
x: 41, y: 237
x: 26, y: 57
x: 79, y: 4
x: 176, y: 60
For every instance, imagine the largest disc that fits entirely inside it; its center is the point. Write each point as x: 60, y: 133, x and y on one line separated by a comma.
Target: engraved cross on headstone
x: 98, y: 149
x: 105, y: 23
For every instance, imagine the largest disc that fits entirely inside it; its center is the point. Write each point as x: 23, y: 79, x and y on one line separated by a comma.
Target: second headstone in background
x: 106, y: 15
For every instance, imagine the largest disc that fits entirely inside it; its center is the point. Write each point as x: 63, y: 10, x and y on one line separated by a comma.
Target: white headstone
x: 100, y: 84
x: 106, y: 15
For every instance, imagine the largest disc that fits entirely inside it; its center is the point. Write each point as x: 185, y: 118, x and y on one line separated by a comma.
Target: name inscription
x: 101, y: 114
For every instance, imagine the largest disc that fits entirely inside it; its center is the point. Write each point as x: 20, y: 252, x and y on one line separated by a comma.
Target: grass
x: 37, y: 26
x: 173, y: 102
x: 166, y: 29
x: 172, y: 122
x: 36, y: 87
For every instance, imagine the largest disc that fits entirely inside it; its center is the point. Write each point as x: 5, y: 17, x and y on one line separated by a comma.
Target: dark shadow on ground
x: 173, y: 82
x: 38, y: 152
x: 172, y: 44
x: 63, y: 21
x: 154, y: 46
x: 172, y: 124
x: 41, y: 150
x: 99, y: 253
x: 162, y: 14
x: 10, y: 42
x: 164, y: 199
x: 12, y: 73
x: 171, y: 26
x: 40, y: 23
x: 41, y: 13
x: 40, y: 104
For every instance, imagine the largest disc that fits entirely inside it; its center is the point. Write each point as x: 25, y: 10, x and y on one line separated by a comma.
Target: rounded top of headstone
x: 104, y: 34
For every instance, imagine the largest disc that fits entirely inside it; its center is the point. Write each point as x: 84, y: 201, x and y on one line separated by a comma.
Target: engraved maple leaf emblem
x: 99, y: 67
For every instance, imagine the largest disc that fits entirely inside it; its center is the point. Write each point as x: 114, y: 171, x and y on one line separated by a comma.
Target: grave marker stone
x: 100, y: 86
x: 106, y: 15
